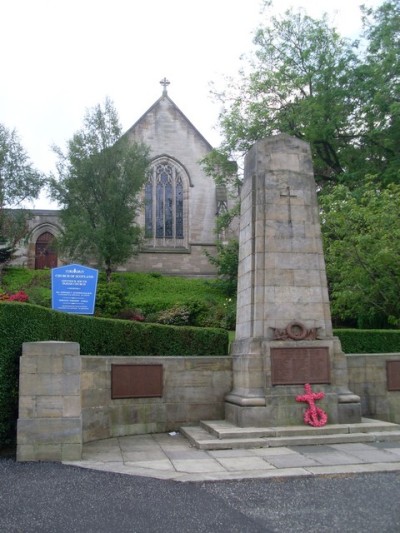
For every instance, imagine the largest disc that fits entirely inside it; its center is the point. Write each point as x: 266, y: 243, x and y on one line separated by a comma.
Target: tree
x: 226, y: 262
x: 19, y: 182
x: 361, y: 231
x: 97, y: 187
x: 379, y: 121
x: 297, y: 82
x: 343, y: 98
x: 305, y: 80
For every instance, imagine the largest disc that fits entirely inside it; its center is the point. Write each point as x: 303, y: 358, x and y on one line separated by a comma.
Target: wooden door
x: 45, y: 252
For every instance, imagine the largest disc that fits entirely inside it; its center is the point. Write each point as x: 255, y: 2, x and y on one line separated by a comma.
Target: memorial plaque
x: 136, y: 381
x: 393, y: 375
x: 300, y: 365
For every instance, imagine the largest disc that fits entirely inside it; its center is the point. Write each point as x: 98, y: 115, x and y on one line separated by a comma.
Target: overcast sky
x: 61, y: 57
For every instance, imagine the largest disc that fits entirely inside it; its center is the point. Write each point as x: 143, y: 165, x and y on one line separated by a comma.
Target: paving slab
x: 173, y: 457
x: 234, y: 464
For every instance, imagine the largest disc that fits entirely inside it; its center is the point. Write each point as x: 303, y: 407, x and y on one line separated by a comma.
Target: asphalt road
x: 53, y: 498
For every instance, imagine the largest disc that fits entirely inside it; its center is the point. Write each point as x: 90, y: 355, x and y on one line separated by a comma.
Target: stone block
x: 50, y: 348
x: 25, y: 452
x: 204, y: 364
x: 87, y: 379
x: 71, y: 406
x: 95, y: 424
x: 349, y: 413
x: 176, y: 413
x: 71, y: 452
x: 27, y: 406
x: 49, y: 431
x: 247, y: 416
x: 71, y: 384
x: 28, y: 365
x: 94, y: 363
x: 95, y: 398
x: 137, y: 429
x: 49, y: 407
x: 72, y: 364
x: 101, y: 379
x: 205, y: 411
x: 49, y: 364
x: 48, y: 452
x: 41, y: 384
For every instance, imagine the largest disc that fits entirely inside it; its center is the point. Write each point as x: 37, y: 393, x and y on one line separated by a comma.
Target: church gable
x: 166, y: 129
x: 173, y: 139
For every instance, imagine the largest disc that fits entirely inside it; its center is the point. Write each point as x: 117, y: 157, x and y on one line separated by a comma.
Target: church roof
x: 165, y: 96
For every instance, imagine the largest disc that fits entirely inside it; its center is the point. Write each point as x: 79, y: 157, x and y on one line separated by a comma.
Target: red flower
x: 19, y: 296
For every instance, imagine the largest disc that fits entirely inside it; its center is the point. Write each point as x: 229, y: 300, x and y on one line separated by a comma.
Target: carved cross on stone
x: 165, y: 84
x: 288, y: 195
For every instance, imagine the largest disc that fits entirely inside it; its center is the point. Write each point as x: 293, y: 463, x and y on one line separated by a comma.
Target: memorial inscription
x: 299, y: 365
x: 393, y: 375
x: 136, y: 381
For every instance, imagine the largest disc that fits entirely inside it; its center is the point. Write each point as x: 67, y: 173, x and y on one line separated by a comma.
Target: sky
x: 63, y: 57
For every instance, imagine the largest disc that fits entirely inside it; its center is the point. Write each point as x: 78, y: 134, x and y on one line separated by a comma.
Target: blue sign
x: 73, y: 289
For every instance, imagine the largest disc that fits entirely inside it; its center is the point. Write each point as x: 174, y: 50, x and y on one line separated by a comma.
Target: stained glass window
x: 164, y: 203
x: 179, y: 209
x: 148, y: 208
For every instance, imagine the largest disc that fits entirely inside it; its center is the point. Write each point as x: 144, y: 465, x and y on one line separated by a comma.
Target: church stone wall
x: 194, y: 263
x: 42, y: 220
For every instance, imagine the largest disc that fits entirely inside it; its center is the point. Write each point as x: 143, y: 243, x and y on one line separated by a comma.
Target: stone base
x: 243, y: 416
x: 269, y: 374
x: 349, y: 409
x: 281, y: 409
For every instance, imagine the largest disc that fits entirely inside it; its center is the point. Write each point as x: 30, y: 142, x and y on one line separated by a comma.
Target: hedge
x: 369, y: 340
x: 97, y: 336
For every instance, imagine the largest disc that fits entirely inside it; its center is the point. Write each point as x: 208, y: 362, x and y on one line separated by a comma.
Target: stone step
x: 226, y: 430
x: 234, y: 438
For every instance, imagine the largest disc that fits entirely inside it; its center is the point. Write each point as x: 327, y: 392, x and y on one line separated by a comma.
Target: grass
x: 150, y: 293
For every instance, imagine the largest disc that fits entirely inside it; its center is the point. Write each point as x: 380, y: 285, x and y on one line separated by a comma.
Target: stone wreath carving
x: 295, y: 331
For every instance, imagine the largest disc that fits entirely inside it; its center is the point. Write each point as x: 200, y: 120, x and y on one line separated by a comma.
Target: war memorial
x: 284, y: 349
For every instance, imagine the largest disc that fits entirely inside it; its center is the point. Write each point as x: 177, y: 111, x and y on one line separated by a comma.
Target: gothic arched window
x: 165, y: 208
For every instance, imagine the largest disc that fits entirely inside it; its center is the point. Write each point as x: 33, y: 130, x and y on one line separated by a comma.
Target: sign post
x: 73, y: 289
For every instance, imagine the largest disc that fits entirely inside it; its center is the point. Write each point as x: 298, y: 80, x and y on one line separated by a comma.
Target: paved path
x: 170, y: 456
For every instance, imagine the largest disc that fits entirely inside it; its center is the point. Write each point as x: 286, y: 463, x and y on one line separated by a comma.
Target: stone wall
x: 65, y: 399
x: 193, y: 389
x: 368, y: 379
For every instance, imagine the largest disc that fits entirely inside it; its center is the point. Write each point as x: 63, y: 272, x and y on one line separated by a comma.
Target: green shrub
x: 131, y: 314
x: 110, y: 299
x: 179, y: 315
x: 40, y: 296
x: 369, y: 340
x: 21, y: 323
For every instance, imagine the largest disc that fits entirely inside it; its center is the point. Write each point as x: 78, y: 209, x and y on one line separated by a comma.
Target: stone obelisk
x: 284, y: 333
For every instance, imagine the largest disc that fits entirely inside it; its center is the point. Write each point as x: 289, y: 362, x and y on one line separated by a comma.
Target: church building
x: 179, y: 201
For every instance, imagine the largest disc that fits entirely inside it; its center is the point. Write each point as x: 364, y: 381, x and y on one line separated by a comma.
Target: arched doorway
x: 45, y: 251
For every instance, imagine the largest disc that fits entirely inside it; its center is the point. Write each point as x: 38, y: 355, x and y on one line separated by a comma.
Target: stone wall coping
x: 161, y: 357
x: 389, y: 354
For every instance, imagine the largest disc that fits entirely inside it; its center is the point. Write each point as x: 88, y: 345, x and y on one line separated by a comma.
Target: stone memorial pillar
x: 49, y: 424
x: 284, y: 333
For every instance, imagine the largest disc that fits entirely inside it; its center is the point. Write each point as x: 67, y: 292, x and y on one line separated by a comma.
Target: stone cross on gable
x: 164, y: 82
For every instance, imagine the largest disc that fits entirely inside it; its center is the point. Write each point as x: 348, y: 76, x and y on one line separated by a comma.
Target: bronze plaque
x: 393, y: 375
x: 136, y: 381
x: 298, y: 365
